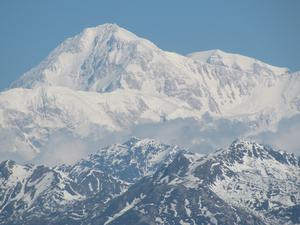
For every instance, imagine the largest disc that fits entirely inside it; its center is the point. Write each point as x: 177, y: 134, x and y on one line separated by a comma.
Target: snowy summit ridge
x: 108, y: 58
x: 236, y: 61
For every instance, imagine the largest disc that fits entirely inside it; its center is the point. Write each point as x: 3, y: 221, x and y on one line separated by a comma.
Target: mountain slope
x: 34, y: 120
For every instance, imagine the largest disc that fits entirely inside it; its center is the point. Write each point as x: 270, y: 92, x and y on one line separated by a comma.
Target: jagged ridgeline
x: 147, y: 182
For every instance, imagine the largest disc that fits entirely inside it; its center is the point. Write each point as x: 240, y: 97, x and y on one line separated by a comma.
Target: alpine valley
x: 61, y: 120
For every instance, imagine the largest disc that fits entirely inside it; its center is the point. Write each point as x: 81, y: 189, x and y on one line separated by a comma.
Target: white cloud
x: 62, y: 148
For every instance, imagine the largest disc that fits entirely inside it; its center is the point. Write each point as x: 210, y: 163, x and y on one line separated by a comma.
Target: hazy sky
x: 265, y: 29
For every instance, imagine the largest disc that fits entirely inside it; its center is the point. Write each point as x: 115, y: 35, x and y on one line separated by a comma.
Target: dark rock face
x: 146, y: 182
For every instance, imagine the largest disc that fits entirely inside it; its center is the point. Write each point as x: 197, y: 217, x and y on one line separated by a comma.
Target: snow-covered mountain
x: 147, y: 182
x: 29, y: 193
x: 108, y: 58
x: 107, y: 80
x: 246, y: 183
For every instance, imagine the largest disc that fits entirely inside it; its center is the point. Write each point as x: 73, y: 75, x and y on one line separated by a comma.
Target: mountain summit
x: 91, y: 60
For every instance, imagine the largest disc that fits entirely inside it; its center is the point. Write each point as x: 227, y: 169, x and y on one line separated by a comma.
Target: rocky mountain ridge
x: 147, y: 182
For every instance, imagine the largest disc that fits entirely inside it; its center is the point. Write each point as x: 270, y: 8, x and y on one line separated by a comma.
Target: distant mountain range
x: 106, y: 83
x: 143, y: 181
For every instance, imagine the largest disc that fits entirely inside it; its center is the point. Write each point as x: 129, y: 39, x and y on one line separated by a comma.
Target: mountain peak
x: 236, y: 61
x: 241, y: 148
x: 133, y: 158
x: 243, y: 142
x: 133, y: 140
x: 108, y: 57
x: 106, y: 26
x: 93, y: 60
x: 110, y: 29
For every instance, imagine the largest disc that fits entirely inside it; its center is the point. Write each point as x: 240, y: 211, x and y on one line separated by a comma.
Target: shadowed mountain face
x: 147, y: 182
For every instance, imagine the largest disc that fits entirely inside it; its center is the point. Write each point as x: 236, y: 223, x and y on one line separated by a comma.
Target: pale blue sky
x: 266, y: 29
